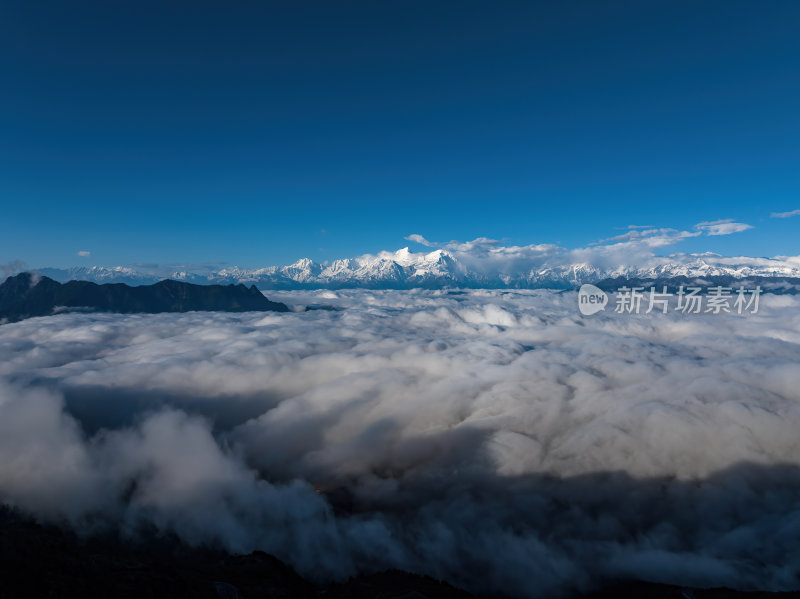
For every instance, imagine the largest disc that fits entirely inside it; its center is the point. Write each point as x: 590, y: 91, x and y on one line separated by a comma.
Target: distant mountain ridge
x: 26, y: 295
x: 443, y: 268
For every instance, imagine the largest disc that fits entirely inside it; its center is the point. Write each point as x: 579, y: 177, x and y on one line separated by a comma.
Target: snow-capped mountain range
x: 471, y: 265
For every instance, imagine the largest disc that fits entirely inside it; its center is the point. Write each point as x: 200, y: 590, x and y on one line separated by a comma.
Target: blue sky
x: 257, y: 133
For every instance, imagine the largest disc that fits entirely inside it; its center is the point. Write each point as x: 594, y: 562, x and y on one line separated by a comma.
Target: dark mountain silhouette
x: 26, y: 295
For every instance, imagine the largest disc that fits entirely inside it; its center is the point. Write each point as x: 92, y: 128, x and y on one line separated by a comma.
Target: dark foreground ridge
x: 26, y: 295
x: 46, y: 561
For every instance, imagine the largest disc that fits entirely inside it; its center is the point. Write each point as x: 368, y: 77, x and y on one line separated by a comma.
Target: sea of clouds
x: 495, y: 439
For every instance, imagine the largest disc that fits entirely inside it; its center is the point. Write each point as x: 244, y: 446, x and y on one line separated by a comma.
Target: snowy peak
x: 525, y: 267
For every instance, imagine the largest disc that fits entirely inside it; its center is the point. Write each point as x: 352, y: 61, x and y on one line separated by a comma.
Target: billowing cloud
x: 495, y: 439
x: 722, y: 227
x: 785, y: 214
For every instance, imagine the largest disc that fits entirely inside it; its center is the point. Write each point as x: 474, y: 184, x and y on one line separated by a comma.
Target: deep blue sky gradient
x: 257, y: 133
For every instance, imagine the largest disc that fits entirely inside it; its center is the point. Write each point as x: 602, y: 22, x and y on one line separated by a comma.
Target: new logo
x: 591, y: 300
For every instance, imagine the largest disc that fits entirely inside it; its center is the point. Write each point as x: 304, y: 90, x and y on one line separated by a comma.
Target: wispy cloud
x: 84, y: 254
x: 722, y: 227
x: 650, y: 237
x: 416, y: 238
x: 12, y: 268
x: 785, y: 214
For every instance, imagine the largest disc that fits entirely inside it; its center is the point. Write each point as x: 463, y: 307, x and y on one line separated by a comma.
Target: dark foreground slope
x: 25, y: 295
x: 44, y: 561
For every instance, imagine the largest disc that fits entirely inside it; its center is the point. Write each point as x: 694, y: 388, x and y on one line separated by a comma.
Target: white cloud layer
x: 494, y: 439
